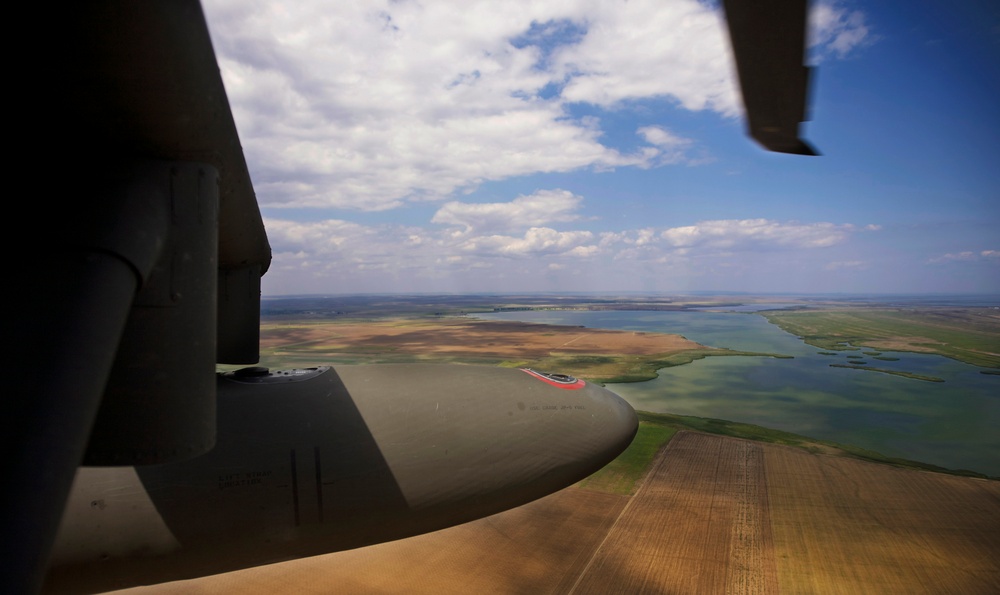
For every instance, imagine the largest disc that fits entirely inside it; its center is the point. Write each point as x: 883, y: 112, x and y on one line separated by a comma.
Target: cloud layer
x: 527, y: 239
x: 367, y: 105
x: 347, y: 107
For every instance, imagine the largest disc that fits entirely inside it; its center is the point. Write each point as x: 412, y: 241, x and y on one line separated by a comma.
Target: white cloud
x: 733, y: 233
x: 375, y: 104
x: 846, y: 264
x: 537, y: 241
x: 661, y: 137
x: 837, y: 30
x: 367, y: 105
x: 336, y: 254
x: 364, y: 105
x: 540, y: 208
x: 968, y: 256
x: 319, y: 238
x: 649, y: 48
x: 668, y: 148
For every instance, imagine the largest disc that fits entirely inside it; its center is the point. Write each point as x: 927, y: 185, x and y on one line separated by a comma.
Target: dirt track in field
x: 698, y: 524
x: 465, y: 337
x: 714, y: 515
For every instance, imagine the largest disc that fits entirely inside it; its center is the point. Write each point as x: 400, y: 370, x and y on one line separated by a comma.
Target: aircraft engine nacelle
x: 323, y: 459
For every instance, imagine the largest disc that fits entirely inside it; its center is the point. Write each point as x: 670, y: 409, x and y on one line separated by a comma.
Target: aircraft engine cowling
x: 318, y: 460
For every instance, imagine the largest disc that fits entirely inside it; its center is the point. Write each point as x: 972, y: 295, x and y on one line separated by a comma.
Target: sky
x: 599, y: 146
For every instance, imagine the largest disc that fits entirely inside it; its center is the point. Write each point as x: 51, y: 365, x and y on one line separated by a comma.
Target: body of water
x: 952, y: 423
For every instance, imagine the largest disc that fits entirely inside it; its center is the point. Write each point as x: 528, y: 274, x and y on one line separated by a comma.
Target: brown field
x: 714, y: 515
x: 596, y: 354
x: 464, y: 337
x: 698, y: 524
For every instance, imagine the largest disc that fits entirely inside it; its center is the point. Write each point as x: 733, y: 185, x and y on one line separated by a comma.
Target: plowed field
x: 714, y: 515
x: 461, y: 336
x: 697, y: 525
x: 839, y: 523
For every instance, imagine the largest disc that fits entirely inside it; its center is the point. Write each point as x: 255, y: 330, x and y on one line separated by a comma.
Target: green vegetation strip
x: 762, y: 434
x: 641, y: 369
x: 893, y: 372
x: 967, y: 336
x: 619, y: 368
x: 622, y: 475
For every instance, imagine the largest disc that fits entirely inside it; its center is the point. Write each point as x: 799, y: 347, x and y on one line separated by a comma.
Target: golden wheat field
x: 713, y: 515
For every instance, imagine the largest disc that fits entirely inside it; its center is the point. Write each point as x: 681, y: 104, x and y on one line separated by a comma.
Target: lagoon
x: 952, y: 424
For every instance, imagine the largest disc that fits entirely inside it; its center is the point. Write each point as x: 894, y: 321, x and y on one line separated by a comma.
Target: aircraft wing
x: 768, y: 39
x: 154, y: 246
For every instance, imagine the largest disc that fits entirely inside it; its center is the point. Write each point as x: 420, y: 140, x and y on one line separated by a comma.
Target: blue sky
x: 404, y: 146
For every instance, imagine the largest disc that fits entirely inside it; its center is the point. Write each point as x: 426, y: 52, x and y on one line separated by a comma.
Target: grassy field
x: 656, y: 429
x: 860, y: 366
x: 622, y: 475
x: 970, y: 335
x: 620, y: 368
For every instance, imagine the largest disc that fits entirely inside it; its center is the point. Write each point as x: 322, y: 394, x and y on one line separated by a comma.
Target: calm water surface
x: 952, y: 423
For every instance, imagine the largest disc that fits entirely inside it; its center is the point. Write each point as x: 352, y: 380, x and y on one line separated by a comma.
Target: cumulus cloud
x: 733, y: 233
x: 668, y: 148
x: 968, y: 256
x: 540, y: 208
x: 368, y: 105
x: 683, y: 57
x: 317, y: 238
x: 364, y: 105
x: 537, y: 241
x: 846, y: 264
x: 349, y: 254
x: 835, y: 29
x: 661, y: 137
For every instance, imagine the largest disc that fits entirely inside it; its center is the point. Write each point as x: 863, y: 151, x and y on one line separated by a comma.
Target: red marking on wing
x: 557, y: 380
